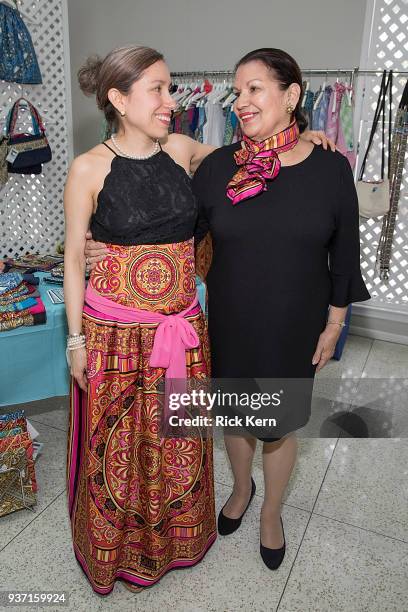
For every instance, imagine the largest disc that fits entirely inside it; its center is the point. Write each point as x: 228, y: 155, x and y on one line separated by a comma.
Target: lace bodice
x: 145, y: 202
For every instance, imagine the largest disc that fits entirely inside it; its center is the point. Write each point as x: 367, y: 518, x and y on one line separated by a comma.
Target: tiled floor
x: 345, y: 511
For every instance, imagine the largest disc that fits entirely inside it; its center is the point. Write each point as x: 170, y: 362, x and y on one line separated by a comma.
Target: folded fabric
x: 18, y: 306
x: 10, y: 432
x: 34, y: 263
x: 20, y: 320
x: 9, y: 281
x: 20, y: 292
x: 35, y: 315
x: 27, y: 293
x: 30, y: 278
x: 11, y: 416
x: 13, y: 419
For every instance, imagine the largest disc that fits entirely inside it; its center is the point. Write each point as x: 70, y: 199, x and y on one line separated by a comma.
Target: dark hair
x: 287, y: 71
x: 119, y: 70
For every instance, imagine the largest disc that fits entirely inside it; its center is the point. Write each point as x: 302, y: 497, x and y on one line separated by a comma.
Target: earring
x: 289, y: 109
x: 122, y: 113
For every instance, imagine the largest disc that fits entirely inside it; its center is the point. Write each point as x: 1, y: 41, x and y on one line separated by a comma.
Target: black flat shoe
x: 273, y: 557
x: 229, y: 525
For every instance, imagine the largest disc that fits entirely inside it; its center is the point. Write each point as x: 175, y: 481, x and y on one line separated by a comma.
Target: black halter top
x: 147, y: 201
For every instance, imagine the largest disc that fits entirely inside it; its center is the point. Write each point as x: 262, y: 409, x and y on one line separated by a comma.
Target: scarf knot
x: 258, y: 163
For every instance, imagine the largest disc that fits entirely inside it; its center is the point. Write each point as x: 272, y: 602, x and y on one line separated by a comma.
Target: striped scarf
x: 260, y: 162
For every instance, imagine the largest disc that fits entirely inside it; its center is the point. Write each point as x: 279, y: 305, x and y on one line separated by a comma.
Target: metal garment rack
x: 351, y: 72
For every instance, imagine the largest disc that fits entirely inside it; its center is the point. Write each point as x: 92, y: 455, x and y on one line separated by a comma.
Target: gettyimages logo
x: 197, y: 398
x: 255, y: 406
x: 239, y: 402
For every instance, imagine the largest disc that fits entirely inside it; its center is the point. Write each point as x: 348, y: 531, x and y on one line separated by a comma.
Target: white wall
x: 210, y: 34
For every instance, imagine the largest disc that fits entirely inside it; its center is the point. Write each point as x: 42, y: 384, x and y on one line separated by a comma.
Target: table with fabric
x: 33, y: 363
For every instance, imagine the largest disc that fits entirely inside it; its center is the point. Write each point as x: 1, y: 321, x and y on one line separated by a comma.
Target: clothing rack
x: 352, y: 72
x: 304, y: 71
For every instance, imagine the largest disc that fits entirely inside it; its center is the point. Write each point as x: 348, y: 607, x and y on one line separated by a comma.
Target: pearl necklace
x: 155, y: 150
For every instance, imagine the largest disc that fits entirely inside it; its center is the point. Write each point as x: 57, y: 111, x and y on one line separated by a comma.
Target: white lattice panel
x: 31, y: 208
x: 389, y: 50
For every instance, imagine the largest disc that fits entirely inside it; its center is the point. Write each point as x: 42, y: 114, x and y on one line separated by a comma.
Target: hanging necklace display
x: 140, y: 157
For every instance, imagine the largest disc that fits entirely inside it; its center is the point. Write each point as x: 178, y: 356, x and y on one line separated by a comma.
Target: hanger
x: 189, y: 90
x: 216, y: 90
x: 195, y: 86
x: 305, y: 94
x: 351, y: 85
x: 321, y: 92
x: 225, y: 91
x: 15, y: 5
x: 229, y: 100
x: 206, y: 88
x: 181, y: 95
x: 335, y: 96
x: 206, y: 96
x: 188, y: 101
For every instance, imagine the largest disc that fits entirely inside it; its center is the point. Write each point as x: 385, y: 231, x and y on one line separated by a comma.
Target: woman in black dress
x: 285, y: 250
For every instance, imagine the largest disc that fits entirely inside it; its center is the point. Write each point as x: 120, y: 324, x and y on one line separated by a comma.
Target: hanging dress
x: 140, y: 504
x: 18, y: 61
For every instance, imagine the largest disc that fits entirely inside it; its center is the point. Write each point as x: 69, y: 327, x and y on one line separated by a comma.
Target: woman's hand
x: 326, y: 346
x: 78, y: 367
x: 318, y: 138
x: 94, y: 251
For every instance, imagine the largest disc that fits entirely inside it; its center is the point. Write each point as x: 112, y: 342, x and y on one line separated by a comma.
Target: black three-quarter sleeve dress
x: 279, y: 260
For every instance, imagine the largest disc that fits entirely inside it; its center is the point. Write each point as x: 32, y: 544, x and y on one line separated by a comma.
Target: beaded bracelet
x: 75, y: 341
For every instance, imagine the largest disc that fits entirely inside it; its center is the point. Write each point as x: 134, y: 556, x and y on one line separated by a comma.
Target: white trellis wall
x: 385, y: 46
x: 31, y: 207
x: 31, y: 212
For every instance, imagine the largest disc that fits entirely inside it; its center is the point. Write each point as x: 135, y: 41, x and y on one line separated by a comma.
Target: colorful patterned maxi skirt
x: 139, y: 504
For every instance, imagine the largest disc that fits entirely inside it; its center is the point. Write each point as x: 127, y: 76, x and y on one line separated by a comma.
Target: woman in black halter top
x: 144, y: 202
x: 140, y: 503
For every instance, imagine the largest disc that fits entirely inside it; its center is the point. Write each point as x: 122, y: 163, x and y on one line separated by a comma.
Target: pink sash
x: 174, y: 335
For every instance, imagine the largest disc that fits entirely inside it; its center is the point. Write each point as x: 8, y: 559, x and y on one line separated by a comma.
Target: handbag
x: 26, y: 152
x: 18, y: 485
x: 16, y: 491
x: 374, y: 196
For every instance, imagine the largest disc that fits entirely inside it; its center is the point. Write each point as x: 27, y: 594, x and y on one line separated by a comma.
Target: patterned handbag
x: 18, y: 484
x: 16, y: 490
x: 26, y: 152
